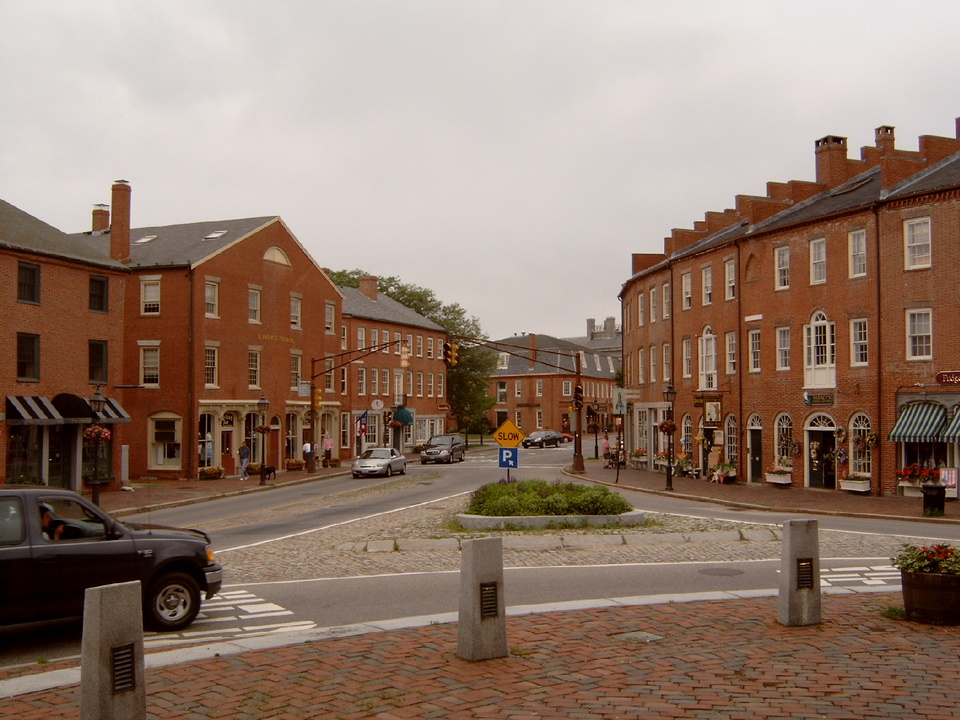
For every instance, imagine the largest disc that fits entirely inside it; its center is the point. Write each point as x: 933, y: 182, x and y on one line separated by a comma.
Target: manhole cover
x: 639, y: 636
x: 720, y: 571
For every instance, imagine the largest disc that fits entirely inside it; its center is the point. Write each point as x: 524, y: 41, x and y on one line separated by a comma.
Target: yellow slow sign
x: 508, y: 435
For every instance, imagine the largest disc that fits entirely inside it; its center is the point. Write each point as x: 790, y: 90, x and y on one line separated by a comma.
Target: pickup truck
x: 54, y: 545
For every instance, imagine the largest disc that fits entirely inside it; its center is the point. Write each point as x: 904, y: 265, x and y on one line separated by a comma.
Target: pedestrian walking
x: 606, y: 451
x: 244, y: 453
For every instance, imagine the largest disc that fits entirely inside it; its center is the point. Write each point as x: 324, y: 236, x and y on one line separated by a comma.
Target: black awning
x: 113, y: 412
x: 76, y: 410
x: 31, y: 410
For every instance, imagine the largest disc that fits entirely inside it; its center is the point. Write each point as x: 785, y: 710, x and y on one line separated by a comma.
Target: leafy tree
x: 468, y: 380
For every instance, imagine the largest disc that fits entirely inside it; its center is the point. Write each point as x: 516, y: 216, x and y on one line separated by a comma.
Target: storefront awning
x: 76, y: 410
x: 952, y: 433
x: 113, y: 412
x: 31, y: 410
x: 919, y: 422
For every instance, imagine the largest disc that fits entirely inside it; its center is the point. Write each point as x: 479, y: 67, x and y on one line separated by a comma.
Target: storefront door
x: 59, y: 466
x: 820, y: 458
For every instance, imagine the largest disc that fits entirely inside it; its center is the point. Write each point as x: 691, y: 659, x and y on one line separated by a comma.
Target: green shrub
x: 537, y: 497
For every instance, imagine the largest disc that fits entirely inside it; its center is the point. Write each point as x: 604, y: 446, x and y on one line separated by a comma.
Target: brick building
x: 62, y: 341
x: 397, y: 395
x: 221, y: 321
x: 813, y: 329
x: 534, y: 381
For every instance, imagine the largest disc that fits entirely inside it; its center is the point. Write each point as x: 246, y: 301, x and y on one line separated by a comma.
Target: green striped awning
x: 919, y: 422
x: 952, y: 433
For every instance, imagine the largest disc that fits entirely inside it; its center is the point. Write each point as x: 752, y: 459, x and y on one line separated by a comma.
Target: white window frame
x: 254, y: 312
x: 150, y: 295
x: 211, y: 298
x: 919, y: 325
x: 666, y: 300
x: 361, y: 381
x: 686, y: 291
x: 708, y: 360
x: 296, y: 311
x: 654, y: 357
x: 330, y: 319
x: 296, y: 369
x: 781, y: 267
x: 783, y: 348
x: 731, y: 352
x: 503, y: 361
x: 150, y: 362
x: 753, y: 339
x: 211, y: 365
x: 641, y: 366
x: 917, y: 243
x: 730, y: 279
x: 686, y: 354
x: 254, y: 365
x: 653, y: 305
x: 641, y: 308
x: 706, y: 285
x: 819, y: 352
x: 859, y: 342
x: 539, y: 390
x: 818, y: 261
x: 857, y: 253
x: 666, y: 362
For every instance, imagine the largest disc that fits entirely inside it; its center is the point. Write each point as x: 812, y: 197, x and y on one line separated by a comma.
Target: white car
x: 379, y: 461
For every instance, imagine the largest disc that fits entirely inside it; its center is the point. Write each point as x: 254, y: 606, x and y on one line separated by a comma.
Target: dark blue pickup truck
x: 54, y: 545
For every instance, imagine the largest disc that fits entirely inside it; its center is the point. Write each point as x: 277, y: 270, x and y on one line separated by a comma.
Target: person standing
x: 327, y: 447
x: 606, y: 451
x: 307, y: 452
x: 244, y: 453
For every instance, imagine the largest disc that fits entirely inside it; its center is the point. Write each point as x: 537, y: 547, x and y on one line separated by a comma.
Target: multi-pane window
x: 641, y: 309
x: 328, y: 375
x: 861, y: 446
x: 501, y: 392
x: 361, y: 338
x: 653, y: 305
x: 211, y: 356
x: 783, y: 348
x: 253, y: 305
x: 28, y: 283
x: 430, y: 384
x: 708, y: 360
x: 385, y: 381
x: 397, y: 338
x: 419, y: 389
x: 97, y: 359
x: 343, y: 338
x: 296, y: 370
x: 419, y: 345
x: 440, y: 381
x: 686, y: 356
x: 916, y: 238
x: 818, y: 261
x: 653, y: 363
x: 919, y: 334
x: 666, y: 300
x: 149, y: 297
x: 429, y: 348
x: 329, y: 319
x: 517, y: 388
x: 296, y: 312
x: 820, y: 352
x: 99, y: 293
x: 706, y: 275
x: 857, y: 249
x: 666, y: 362
x: 211, y: 297
x: 754, y: 339
x: 731, y: 352
x: 784, y: 427
x: 503, y: 361
x: 539, y: 389
x: 730, y: 438
x: 782, y: 267
x: 641, y: 367
x: 858, y: 342
x: 150, y: 365
x: 253, y: 368
x: 28, y: 356
x: 567, y: 388
x: 730, y: 279
x: 361, y: 381
x: 374, y: 381
x: 686, y: 291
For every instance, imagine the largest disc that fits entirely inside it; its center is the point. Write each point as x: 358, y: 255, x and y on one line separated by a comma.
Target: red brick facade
x: 803, y: 354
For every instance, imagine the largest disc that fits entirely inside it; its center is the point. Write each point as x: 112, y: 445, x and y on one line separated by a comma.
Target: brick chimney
x: 370, y: 286
x: 101, y: 218
x: 831, y: 160
x: 533, y: 349
x: 120, y: 222
x: 885, y: 139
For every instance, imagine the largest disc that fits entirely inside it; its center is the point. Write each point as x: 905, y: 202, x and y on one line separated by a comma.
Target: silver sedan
x: 379, y: 461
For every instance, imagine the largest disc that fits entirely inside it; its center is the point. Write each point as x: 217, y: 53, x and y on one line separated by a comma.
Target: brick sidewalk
x: 712, y: 660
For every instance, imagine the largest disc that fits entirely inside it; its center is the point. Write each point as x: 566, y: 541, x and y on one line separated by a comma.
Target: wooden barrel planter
x: 931, y: 598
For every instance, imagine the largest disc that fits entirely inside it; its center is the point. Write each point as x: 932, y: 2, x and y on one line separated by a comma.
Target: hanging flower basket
x: 97, y: 432
x: 262, y: 429
x: 668, y: 427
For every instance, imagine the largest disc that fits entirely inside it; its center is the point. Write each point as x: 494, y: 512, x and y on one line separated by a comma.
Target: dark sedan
x: 542, y: 439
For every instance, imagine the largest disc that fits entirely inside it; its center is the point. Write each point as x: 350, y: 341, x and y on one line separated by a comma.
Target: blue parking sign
x: 509, y: 457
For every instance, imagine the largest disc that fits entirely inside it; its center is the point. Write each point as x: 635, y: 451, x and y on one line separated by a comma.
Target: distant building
x: 814, y: 328
x: 606, y: 339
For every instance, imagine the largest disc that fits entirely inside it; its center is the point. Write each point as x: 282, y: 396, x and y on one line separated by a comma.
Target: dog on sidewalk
x: 268, y: 471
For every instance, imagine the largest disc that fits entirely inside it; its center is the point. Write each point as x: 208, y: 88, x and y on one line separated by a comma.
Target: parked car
x: 54, y: 545
x: 444, y: 448
x: 543, y: 438
x: 379, y: 461
x: 567, y: 437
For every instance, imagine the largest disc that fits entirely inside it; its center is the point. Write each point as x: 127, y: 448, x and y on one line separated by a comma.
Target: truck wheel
x: 171, y: 602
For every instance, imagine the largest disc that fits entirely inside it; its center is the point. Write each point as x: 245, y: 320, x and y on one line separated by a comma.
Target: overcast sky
x: 510, y: 156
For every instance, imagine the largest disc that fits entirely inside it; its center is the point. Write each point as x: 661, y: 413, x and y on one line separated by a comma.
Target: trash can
x: 934, y: 496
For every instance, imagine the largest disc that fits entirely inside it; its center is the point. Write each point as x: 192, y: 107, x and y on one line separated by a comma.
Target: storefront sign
x: 818, y: 398
x: 948, y: 377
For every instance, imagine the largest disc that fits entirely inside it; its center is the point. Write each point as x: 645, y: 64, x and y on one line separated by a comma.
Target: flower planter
x: 932, y: 598
x: 909, y: 489
x: 211, y: 473
x: 780, y: 478
x: 858, y: 485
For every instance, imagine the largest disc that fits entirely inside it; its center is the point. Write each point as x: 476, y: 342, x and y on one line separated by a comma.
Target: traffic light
x: 387, y: 417
x: 450, y: 353
x: 578, y: 397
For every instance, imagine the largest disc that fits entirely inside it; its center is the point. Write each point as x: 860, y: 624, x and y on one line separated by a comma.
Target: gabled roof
x: 179, y: 245
x: 21, y: 231
x: 943, y: 174
x: 554, y: 351
x: 384, y: 309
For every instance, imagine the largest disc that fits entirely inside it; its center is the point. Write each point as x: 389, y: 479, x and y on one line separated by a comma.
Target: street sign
x: 509, y: 457
x: 443, y: 407
x: 508, y: 435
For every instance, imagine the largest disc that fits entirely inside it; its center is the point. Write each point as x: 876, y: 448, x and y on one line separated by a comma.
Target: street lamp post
x: 670, y: 395
x: 263, y: 405
x: 596, y: 428
x: 97, y: 403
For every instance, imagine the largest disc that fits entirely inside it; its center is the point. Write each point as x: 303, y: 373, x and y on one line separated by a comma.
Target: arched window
x: 819, y: 352
x: 784, y: 440
x: 277, y: 255
x: 730, y: 438
x: 862, y: 441
x: 686, y: 435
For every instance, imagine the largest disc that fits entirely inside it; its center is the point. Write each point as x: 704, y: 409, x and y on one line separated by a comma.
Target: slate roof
x: 179, y: 245
x: 21, y: 231
x: 549, y: 348
x: 384, y: 309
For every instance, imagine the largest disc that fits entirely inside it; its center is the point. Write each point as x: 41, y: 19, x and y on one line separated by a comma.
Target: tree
x: 467, y: 382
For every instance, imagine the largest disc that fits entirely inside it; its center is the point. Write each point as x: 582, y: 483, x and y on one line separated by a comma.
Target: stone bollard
x: 482, y: 621
x: 112, y: 685
x: 799, y: 601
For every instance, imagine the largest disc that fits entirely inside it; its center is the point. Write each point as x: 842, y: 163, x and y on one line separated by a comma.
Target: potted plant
x: 723, y: 471
x: 930, y: 577
x: 780, y: 475
x: 855, y: 482
x: 911, y: 477
x: 660, y: 459
x: 210, y: 473
x: 334, y: 462
x: 638, y: 456
x: 294, y: 464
